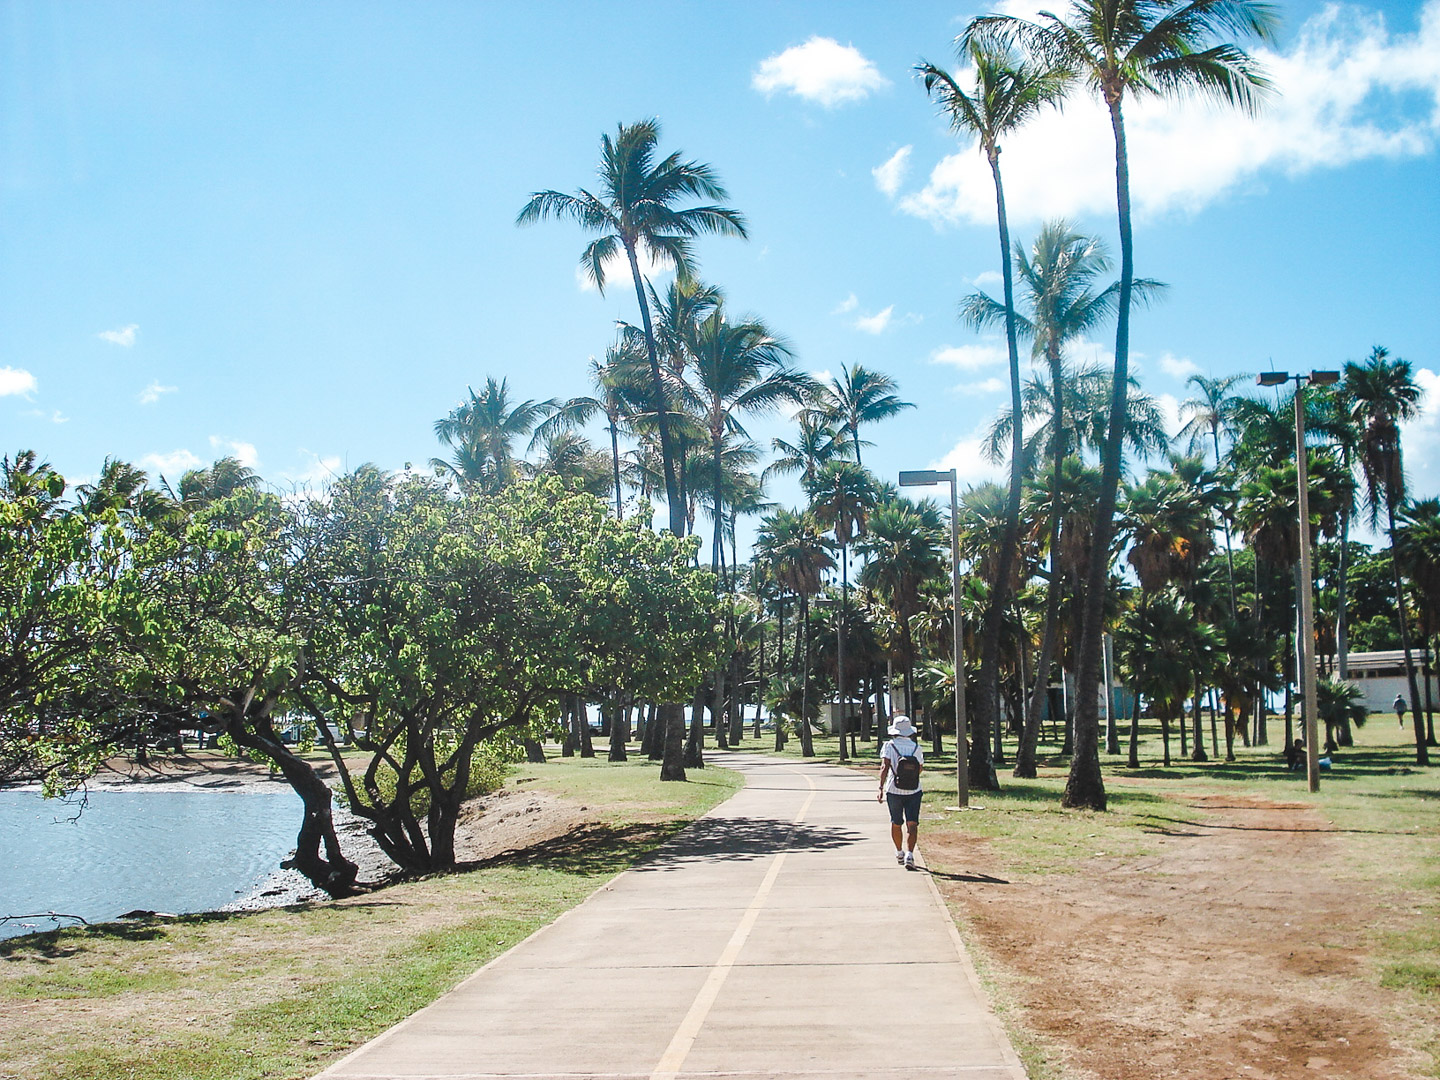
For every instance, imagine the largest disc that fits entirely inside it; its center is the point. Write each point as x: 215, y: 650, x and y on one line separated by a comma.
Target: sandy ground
x: 508, y: 820
x: 1236, y: 951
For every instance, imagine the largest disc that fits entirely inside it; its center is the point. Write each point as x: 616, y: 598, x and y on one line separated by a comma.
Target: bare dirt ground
x: 1237, y: 951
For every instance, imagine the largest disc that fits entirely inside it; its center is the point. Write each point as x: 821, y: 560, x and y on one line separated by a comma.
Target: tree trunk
x: 1085, y: 787
x: 1422, y: 756
x: 674, y: 502
x: 807, y: 741
x: 1198, y: 728
x: 670, y: 719
x: 619, y: 732
x: 695, y: 743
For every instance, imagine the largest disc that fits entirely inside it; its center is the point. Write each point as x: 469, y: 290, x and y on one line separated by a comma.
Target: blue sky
x: 287, y: 231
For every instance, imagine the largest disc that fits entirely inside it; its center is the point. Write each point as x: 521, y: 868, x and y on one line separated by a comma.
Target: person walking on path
x: 901, y: 762
x: 1400, y: 709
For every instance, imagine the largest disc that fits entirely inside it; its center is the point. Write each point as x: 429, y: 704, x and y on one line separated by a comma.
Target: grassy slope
x: 281, y: 993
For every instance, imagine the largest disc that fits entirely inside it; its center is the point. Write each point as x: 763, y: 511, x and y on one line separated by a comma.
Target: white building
x: 1381, y: 675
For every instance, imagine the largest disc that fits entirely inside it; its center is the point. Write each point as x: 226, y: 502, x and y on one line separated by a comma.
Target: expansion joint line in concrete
x: 679, y: 1049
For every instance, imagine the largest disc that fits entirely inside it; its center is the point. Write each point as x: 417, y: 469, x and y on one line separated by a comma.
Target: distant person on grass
x: 1400, y: 709
x: 901, y: 762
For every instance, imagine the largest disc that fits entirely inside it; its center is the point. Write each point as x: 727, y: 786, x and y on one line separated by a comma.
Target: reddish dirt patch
x: 1234, y: 952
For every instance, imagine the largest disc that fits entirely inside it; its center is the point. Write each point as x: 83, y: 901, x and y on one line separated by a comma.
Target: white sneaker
x: 910, y: 860
x: 900, y: 857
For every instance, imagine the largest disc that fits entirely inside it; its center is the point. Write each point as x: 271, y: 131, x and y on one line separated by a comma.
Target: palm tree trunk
x: 987, y: 689
x: 1198, y: 729
x: 1342, y: 629
x: 1422, y: 756
x: 615, y: 461
x: 670, y: 717
x: 1225, y: 521
x: 840, y: 649
x: 673, y: 500
x: 1085, y: 787
x: 619, y: 730
x: 807, y: 743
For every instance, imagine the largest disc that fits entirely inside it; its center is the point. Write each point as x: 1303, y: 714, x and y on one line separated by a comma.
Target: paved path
x: 775, y: 937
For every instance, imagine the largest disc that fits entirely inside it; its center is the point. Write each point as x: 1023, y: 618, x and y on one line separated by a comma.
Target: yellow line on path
x: 679, y: 1048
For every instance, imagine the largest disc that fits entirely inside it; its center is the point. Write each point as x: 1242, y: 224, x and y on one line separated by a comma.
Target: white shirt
x: 891, y: 753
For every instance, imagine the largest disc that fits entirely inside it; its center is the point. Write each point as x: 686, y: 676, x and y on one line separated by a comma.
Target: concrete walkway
x: 774, y: 937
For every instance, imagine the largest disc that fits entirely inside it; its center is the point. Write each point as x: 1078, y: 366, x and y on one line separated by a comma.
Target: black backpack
x: 907, y: 770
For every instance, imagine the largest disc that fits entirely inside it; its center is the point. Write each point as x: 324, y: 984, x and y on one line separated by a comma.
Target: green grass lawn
x: 283, y: 992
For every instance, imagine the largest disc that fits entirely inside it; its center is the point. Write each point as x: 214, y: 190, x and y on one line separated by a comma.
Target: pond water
x: 176, y: 851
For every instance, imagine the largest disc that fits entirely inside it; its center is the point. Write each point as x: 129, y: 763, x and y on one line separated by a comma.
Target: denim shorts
x: 903, y: 807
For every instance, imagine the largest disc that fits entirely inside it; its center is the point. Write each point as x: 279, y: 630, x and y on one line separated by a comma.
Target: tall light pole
x: 929, y: 478
x: 1307, y: 592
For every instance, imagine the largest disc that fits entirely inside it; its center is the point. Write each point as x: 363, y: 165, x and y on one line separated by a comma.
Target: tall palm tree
x: 613, y: 399
x: 737, y: 368
x: 859, y: 396
x: 635, y: 212
x: 1058, y: 276
x: 818, y: 443
x: 797, y: 549
x: 480, y: 433
x: 1418, y: 537
x: 903, y: 546
x: 223, y: 478
x: 1209, y: 412
x: 842, y: 495
x: 1146, y: 48
x: 1383, y: 394
x: 1008, y: 92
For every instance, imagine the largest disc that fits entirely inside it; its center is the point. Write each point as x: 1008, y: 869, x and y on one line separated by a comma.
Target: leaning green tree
x: 1146, y: 48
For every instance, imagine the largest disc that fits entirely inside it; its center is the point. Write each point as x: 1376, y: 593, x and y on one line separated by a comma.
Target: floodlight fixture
x: 1273, y: 378
x: 1324, y: 378
x: 925, y: 477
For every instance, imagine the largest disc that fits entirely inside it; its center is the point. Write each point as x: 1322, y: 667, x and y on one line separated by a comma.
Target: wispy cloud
x: 969, y: 357
x: 821, y: 71
x: 1421, y: 436
x: 890, y: 175
x: 991, y: 385
x: 875, y: 324
x: 152, y: 393
x: 850, y: 303
x: 1178, y: 367
x: 986, y: 278
x: 1347, y: 90
x: 124, y: 336
x: 242, y: 452
x: 172, y: 464
x: 55, y: 416
x: 17, y: 381
x: 968, y: 460
x: 617, y: 271
x: 316, y: 472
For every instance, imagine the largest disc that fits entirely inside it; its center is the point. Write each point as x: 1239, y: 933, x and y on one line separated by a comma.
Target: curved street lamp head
x: 1273, y: 378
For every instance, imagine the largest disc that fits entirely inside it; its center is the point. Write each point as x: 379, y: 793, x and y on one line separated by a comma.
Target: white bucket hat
x: 901, y: 725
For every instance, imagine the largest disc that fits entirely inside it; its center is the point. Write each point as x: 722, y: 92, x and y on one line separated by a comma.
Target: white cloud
x: 617, y: 271
x: 1169, y: 406
x: 171, y: 464
x: 242, y: 452
x: 55, y: 417
x: 1348, y: 90
x: 124, y: 337
x: 1178, y: 367
x: 17, y: 381
x: 968, y: 460
x: 850, y: 303
x: 1420, y: 439
x: 992, y: 385
x: 822, y: 71
x: 987, y: 277
x: 317, y: 471
x: 969, y: 357
x: 151, y: 394
x: 890, y: 175
x: 875, y: 324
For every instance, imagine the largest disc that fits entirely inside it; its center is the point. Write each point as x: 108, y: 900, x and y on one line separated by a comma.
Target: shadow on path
x: 742, y: 839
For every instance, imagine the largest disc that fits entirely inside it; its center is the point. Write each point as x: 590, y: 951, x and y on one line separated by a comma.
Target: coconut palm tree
x: 1418, y: 539
x: 842, y: 495
x: 223, y: 478
x: 818, y: 443
x: 635, y: 212
x: 903, y: 546
x: 613, y: 399
x: 1143, y: 48
x: 480, y: 433
x: 1008, y: 91
x: 859, y: 396
x: 795, y: 546
x: 1383, y: 394
x: 1208, y: 413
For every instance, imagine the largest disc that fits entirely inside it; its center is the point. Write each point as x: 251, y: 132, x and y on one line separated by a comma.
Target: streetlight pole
x: 1310, y: 701
x: 928, y: 478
